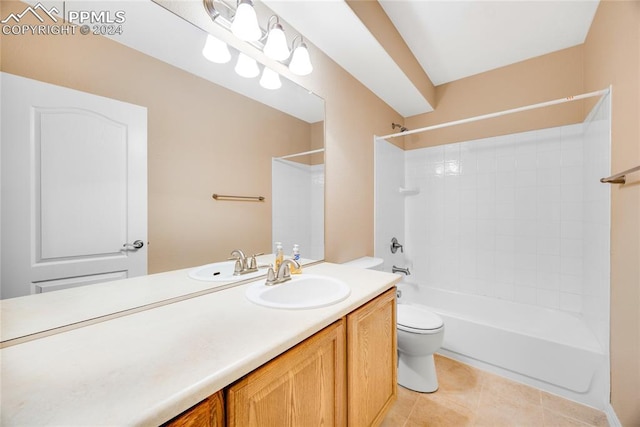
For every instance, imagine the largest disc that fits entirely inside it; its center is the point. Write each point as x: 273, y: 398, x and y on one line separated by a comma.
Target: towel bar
x: 619, y: 178
x: 239, y: 198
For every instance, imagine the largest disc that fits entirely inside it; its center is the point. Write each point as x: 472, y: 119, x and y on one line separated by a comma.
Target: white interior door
x: 74, y: 188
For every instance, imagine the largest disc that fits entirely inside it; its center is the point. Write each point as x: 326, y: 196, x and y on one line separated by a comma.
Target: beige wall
x: 316, y: 139
x: 354, y: 115
x: 612, y: 57
x: 198, y: 142
x: 540, y: 79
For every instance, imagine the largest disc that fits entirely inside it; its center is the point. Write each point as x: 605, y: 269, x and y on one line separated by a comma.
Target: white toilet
x: 420, y: 334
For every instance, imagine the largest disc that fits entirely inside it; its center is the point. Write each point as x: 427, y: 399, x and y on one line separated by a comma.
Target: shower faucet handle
x: 395, y: 246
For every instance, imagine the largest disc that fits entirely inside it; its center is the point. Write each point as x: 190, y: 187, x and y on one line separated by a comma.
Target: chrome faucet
x: 395, y: 269
x: 283, y: 274
x: 244, y: 264
x: 241, y: 261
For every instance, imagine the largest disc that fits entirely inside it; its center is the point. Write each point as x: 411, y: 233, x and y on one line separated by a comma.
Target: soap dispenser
x: 279, y: 256
x: 296, y: 256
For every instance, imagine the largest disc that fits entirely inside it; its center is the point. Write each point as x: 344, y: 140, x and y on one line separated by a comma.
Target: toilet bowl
x: 420, y: 335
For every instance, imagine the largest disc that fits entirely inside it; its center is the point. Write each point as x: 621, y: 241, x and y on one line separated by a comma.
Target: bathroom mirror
x: 206, y: 133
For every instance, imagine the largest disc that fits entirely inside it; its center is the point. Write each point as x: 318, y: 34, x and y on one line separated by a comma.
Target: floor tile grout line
x: 413, y: 408
x: 566, y: 415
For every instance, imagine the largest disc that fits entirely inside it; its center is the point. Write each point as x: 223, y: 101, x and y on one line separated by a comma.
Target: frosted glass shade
x: 245, y: 23
x: 246, y: 66
x: 300, y: 62
x: 276, y: 45
x: 215, y: 50
x: 270, y: 79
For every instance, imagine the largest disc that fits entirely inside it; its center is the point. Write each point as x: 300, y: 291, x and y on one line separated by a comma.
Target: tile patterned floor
x: 470, y: 397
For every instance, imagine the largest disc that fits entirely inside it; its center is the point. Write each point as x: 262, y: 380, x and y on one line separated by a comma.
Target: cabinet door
x: 208, y: 413
x: 303, y: 387
x: 372, y: 360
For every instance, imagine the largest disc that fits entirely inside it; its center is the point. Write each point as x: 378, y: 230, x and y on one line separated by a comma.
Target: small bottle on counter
x: 296, y: 256
x: 279, y: 256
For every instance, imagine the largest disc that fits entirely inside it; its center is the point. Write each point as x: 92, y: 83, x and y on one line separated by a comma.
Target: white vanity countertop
x: 24, y: 316
x: 145, y: 368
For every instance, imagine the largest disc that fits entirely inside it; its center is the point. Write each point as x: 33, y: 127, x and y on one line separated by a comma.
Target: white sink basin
x: 301, y: 292
x: 221, y: 272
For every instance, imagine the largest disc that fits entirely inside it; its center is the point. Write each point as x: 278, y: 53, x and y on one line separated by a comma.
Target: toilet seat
x: 418, y: 320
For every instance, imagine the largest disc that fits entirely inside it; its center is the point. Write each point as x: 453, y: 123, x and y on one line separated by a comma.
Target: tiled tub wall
x: 597, y: 221
x: 512, y: 216
x: 298, y: 207
x: 389, y: 202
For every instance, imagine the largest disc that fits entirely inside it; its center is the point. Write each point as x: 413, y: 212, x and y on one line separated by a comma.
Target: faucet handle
x: 237, y: 269
x: 395, y: 246
x: 271, y: 275
x: 253, y: 264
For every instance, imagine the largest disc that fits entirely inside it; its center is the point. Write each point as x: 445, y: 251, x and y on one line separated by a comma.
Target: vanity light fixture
x: 211, y: 9
x: 246, y: 66
x: 300, y: 61
x: 215, y: 50
x: 245, y: 22
x: 270, y: 79
x: 276, y: 45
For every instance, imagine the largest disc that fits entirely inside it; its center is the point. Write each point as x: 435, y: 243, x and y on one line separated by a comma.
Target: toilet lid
x: 418, y: 318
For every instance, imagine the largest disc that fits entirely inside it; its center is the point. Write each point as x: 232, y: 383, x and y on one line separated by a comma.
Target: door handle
x: 133, y: 246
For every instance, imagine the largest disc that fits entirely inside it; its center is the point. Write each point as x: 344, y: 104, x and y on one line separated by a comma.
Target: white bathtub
x: 550, y: 349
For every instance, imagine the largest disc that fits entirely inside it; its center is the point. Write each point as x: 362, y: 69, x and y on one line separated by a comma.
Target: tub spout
x: 395, y: 269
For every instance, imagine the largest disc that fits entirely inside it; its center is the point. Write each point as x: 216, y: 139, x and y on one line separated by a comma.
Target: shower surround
x: 521, y: 218
x: 298, y: 207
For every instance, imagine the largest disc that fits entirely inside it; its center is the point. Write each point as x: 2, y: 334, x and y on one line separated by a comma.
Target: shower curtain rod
x: 319, y: 150
x: 500, y: 113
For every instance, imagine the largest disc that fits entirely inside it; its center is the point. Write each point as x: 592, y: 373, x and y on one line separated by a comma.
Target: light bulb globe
x: 270, y: 79
x: 276, y: 45
x: 215, y: 50
x: 300, y: 61
x: 246, y: 66
x: 245, y: 23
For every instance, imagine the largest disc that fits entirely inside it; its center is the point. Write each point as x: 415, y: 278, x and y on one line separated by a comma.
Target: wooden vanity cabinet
x: 346, y: 374
x: 208, y: 413
x: 306, y: 386
x: 372, y: 360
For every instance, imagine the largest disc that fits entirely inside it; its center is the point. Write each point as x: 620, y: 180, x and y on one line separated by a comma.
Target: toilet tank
x: 367, y: 262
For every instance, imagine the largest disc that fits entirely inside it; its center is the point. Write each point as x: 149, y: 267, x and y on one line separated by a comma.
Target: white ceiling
x: 457, y: 39
x: 450, y: 39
